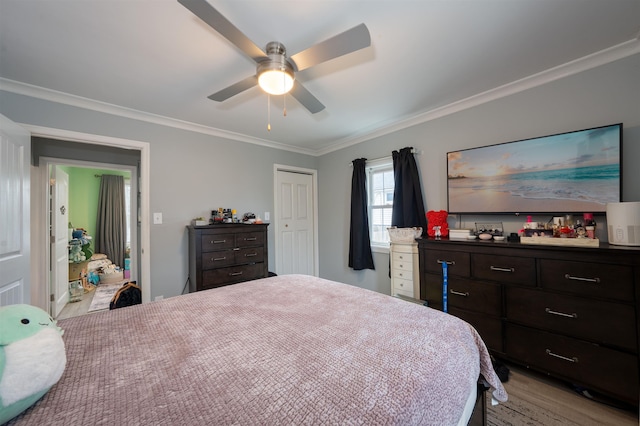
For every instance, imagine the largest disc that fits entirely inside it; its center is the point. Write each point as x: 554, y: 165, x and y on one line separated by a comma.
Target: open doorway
x: 72, y: 148
x: 99, y: 273
x: 81, y: 210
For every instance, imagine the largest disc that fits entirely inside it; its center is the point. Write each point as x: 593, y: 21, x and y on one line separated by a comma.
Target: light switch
x: 157, y: 218
x: 266, y: 215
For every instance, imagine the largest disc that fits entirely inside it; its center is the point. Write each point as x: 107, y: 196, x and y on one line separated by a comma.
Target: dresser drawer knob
x: 561, y: 314
x: 572, y: 359
x: 250, y: 254
x: 235, y: 274
x: 589, y: 280
x: 217, y: 259
x: 499, y: 269
x: 448, y: 262
x: 459, y: 293
x: 251, y: 239
x: 218, y: 241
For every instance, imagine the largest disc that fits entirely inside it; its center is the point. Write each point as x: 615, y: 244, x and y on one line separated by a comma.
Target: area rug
x: 102, y: 297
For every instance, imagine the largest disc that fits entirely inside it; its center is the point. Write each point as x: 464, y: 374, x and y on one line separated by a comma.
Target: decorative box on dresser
x: 405, y: 271
x: 225, y: 254
x: 566, y: 311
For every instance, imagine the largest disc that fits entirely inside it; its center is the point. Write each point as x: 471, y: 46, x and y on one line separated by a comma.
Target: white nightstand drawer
x: 403, y: 287
x: 402, y: 257
x: 403, y: 266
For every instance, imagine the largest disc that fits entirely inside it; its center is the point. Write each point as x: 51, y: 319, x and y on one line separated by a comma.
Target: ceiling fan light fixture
x: 275, y: 74
x: 276, y: 81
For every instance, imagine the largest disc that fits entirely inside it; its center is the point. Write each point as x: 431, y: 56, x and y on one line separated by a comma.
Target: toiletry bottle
x: 590, y: 225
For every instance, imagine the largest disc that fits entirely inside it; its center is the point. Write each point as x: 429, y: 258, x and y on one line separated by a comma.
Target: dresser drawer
x: 585, y: 363
x: 218, y: 259
x: 402, y: 261
x: 458, y: 262
x: 595, y: 320
x: 249, y: 255
x: 248, y: 239
x: 212, y: 242
x: 403, y: 287
x: 588, y: 279
x: 401, y: 274
x: 477, y: 296
x: 508, y: 269
x: 222, y: 276
x: 490, y: 329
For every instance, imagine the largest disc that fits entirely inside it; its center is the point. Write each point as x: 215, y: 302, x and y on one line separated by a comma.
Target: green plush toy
x: 32, y: 357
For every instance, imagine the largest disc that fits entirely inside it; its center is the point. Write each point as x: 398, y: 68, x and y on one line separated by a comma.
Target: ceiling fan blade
x: 211, y: 16
x: 349, y: 41
x: 234, y: 89
x: 305, y: 97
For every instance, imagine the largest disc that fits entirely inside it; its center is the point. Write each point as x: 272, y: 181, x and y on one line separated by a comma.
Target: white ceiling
x: 155, y: 60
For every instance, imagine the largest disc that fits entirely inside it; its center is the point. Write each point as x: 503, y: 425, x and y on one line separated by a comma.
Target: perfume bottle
x: 589, y: 225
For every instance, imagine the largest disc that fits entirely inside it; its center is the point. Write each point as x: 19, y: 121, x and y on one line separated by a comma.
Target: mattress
x: 290, y: 349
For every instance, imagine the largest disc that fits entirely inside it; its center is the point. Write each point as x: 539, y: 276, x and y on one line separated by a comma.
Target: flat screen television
x: 573, y: 172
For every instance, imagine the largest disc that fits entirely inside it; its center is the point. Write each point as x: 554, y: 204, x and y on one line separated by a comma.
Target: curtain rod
x: 389, y: 157
x: 125, y: 178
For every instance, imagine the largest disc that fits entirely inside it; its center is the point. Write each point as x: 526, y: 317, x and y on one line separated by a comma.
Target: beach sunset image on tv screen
x: 566, y: 173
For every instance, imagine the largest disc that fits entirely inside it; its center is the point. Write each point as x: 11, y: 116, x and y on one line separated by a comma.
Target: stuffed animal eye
x: 24, y: 320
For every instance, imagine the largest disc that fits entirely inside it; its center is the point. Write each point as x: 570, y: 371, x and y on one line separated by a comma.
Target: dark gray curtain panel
x: 408, y: 205
x: 360, y: 256
x: 111, y: 223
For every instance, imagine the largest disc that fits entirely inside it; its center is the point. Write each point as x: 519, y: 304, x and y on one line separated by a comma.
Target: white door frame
x: 314, y: 177
x: 39, y: 210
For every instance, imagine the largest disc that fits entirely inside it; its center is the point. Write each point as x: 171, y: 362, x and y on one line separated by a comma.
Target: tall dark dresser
x: 226, y: 254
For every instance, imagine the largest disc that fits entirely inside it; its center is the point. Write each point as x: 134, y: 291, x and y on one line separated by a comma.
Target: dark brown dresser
x: 226, y: 254
x: 569, y: 312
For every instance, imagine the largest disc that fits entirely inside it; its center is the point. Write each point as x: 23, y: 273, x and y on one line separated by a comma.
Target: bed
x: 289, y: 349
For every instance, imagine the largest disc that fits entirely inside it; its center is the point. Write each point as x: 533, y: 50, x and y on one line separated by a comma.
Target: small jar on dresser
x: 405, y: 273
x: 226, y: 254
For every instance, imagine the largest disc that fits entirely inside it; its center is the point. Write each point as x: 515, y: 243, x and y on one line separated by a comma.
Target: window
x: 380, y: 197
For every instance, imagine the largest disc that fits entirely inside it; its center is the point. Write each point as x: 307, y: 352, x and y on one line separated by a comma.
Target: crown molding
x: 38, y: 92
x: 614, y: 53
x: 603, y: 57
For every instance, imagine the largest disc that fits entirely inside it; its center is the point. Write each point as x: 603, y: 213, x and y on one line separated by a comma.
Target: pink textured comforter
x: 283, y: 350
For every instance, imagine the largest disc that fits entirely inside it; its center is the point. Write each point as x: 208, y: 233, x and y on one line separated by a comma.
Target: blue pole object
x: 445, y: 284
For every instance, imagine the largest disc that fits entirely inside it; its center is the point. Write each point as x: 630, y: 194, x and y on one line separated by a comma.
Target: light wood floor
x: 535, y: 399
x: 78, y: 308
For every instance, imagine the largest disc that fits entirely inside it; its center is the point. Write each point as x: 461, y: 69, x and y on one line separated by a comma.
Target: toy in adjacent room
x: 437, y: 225
x: 76, y: 254
x: 32, y: 357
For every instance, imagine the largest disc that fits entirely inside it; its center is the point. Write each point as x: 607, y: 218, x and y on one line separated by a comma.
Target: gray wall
x: 192, y: 173
x: 601, y: 96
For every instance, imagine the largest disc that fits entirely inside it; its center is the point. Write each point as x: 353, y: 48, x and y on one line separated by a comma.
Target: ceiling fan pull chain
x: 268, y: 112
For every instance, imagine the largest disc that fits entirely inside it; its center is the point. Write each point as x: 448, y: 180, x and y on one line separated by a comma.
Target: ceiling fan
x: 275, y: 71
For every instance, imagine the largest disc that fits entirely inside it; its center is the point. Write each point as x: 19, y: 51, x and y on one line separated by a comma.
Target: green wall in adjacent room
x: 84, y: 190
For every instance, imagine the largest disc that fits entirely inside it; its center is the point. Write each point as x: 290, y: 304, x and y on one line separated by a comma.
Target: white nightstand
x: 405, y: 271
